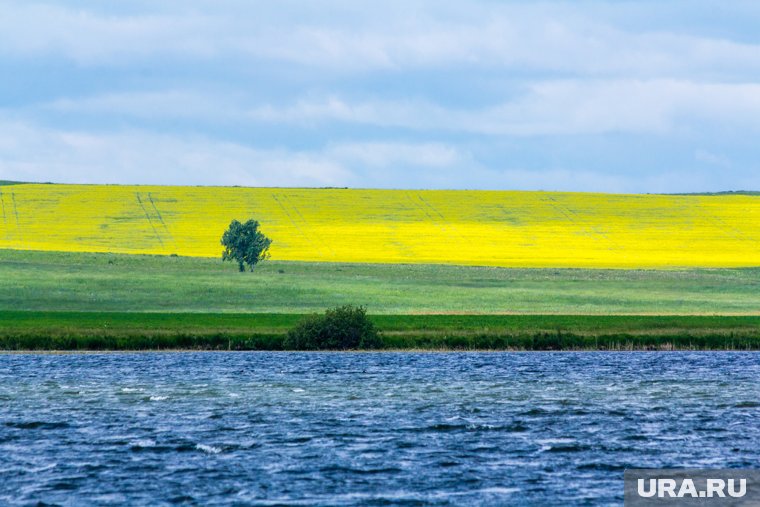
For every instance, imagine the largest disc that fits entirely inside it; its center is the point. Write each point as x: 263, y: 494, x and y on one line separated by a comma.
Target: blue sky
x: 615, y: 96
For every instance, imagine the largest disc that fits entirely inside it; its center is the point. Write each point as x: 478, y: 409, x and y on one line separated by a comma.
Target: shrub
x: 343, y: 328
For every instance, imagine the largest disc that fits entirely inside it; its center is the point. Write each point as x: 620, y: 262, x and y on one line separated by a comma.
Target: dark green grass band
x: 157, y: 331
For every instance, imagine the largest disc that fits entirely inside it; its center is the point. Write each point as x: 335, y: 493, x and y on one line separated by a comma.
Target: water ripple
x: 366, y: 429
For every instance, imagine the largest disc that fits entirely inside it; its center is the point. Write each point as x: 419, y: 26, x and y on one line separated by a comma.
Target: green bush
x: 343, y: 328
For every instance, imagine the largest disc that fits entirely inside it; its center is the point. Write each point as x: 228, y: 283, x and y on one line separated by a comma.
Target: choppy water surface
x: 366, y: 429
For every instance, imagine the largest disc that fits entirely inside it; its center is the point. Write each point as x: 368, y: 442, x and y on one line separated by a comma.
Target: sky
x: 604, y: 96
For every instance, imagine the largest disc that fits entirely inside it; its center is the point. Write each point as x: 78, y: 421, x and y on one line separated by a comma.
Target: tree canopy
x: 245, y: 244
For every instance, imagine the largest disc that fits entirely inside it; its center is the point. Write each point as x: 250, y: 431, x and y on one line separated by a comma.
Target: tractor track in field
x: 15, y: 213
x: 161, y: 218
x: 732, y: 232
x: 422, y: 205
x: 5, y: 217
x: 150, y: 220
x: 293, y: 222
x: 574, y: 218
x: 323, y: 244
x: 429, y: 210
x: 432, y: 208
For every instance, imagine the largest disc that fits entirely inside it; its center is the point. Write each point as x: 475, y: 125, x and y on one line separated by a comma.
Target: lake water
x: 366, y: 429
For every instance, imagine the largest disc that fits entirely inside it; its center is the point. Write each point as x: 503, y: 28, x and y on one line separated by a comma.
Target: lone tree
x: 245, y: 244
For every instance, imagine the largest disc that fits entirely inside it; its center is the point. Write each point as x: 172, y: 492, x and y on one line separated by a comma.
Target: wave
x: 209, y: 449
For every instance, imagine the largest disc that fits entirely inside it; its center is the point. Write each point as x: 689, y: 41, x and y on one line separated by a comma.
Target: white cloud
x: 149, y: 105
x: 390, y: 35
x: 376, y: 154
x: 564, y: 107
x: 550, y: 108
x: 87, y: 37
x: 34, y: 153
x: 713, y: 159
x: 653, y: 106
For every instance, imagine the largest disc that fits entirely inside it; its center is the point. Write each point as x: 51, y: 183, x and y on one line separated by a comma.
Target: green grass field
x: 78, y: 301
x: 44, y: 281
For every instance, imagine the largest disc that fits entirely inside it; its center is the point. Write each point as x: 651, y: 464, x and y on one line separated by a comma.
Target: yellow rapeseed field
x: 521, y: 229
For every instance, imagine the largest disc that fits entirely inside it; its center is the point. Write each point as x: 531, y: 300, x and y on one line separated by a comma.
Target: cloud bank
x: 597, y: 96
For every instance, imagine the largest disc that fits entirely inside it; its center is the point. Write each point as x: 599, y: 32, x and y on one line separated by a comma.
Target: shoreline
x: 352, y: 351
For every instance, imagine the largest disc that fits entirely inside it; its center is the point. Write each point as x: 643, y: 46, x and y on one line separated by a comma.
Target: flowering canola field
x: 490, y: 228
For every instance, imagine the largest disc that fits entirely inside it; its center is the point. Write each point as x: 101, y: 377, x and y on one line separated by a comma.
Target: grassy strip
x: 44, y: 281
x: 140, y: 323
x: 120, y: 322
x: 135, y: 331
